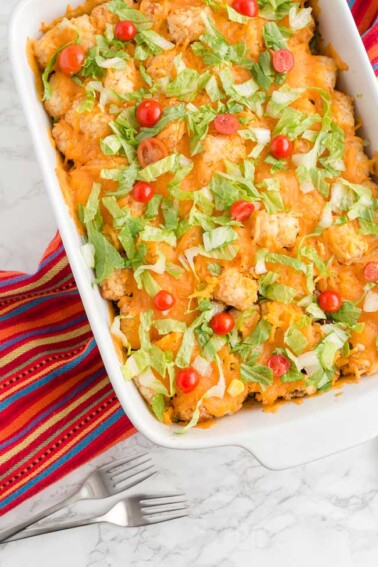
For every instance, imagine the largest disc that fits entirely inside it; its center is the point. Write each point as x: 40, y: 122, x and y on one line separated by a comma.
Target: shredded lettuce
x: 169, y: 164
x: 295, y: 340
x: 166, y: 326
x: 214, y: 49
x: 218, y: 237
x: 274, y: 9
x: 256, y: 373
x: 273, y: 36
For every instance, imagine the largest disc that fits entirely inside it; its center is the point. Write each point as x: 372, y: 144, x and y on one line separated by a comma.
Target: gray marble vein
x: 324, y: 513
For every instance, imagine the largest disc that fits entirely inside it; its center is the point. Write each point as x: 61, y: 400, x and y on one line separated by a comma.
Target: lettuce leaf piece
x: 214, y: 49
x: 158, y: 406
x: 93, y: 203
x: 273, y: 37
x: 125, y: 176
x: 150, y: 43
x: 293, y: 123
x: 348, y: 314
x: 156, y: 234
x: 166, y: 326
x: 124, y: 12
x: 256, y: 373
x: 107, y: 258
x: 169, y: 164
x: 295, y: 340
x: 47, y: 90
x: 186, y: 349
x: 187, y: 84
x: 136, y: 364
x: 219, y: 237
x: 274, y: 9
x: 280, y: 292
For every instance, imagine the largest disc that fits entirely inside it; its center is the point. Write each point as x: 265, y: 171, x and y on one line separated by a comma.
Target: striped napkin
x: 58, y: 409
x: 57, y: 406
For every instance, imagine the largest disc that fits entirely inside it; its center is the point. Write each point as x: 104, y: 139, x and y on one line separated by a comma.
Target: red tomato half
x: 283, y: 60
x: 330, y: 301
x: 222, y: 323
x: 226, y: 124
x: 71, y: 59
x: 281, y: 147
x: 143, y: 192
x: 279, y: 363
x: 371, y: 272
x: 151, y: 150
x: 187, y: 379
x: 149, y: 113
x: 246, y: 7
x: 163, y: 300
x: 241, y: 210
x: 125, y: 31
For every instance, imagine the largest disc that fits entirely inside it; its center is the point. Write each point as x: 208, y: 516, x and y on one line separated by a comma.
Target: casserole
x: 251, y: 426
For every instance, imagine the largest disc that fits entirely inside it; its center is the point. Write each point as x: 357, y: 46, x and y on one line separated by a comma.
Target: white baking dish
x: 296, y: 433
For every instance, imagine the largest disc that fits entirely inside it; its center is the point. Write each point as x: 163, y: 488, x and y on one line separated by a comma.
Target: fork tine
x: 109, y: 467
x: 112, y: 475
x: 157, y: 495
x: 164, y: 503
x: 166, y: 519
x: 134, y: 476
x: 166, y: 510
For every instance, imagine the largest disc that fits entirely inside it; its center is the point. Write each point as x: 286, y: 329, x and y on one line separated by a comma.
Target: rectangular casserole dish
x: 296, y: 434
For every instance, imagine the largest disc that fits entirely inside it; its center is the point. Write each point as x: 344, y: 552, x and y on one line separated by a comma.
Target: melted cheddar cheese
x: 314, y: 223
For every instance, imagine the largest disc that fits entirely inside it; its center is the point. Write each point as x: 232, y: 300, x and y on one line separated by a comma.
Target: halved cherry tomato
x: 71, y: 59
x: 283, y: 60
x: 241, y: 210
x: 163, y: 300
x: 281, y: 147
x: 187, y: 379
x: 143, y: 192
x: 125, y: 30
x: 371, y: 272
x: 226, y: 124
x: 151, y: 150
x: 246, y: 7
x: 149, y: 113
x: 330, y: 301
x: 222, y: 323
x: 279, y: 363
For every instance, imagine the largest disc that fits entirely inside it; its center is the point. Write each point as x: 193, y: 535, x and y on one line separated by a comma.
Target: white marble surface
x: 324, y: 513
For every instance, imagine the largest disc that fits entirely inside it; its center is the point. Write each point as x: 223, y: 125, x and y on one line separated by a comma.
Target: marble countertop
x: 324, y: 513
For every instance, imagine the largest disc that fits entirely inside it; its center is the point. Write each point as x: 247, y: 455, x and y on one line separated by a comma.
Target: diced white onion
x: 202, y: 366
x: 371, y: 302
x: 299, y: 18
x: 307, y: 186
x: 260, y: 267
x: 88, y: 252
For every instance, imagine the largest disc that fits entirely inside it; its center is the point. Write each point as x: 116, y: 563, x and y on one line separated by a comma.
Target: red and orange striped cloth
x: 57, y: 406
x: 58, y: 409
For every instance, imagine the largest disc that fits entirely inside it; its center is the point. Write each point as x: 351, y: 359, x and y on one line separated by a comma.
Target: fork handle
x: 15, y: 528
x: 55, y: 528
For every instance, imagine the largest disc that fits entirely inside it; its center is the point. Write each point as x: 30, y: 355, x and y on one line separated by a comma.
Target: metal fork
x: 104, y: 482
x: 132, y: 511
